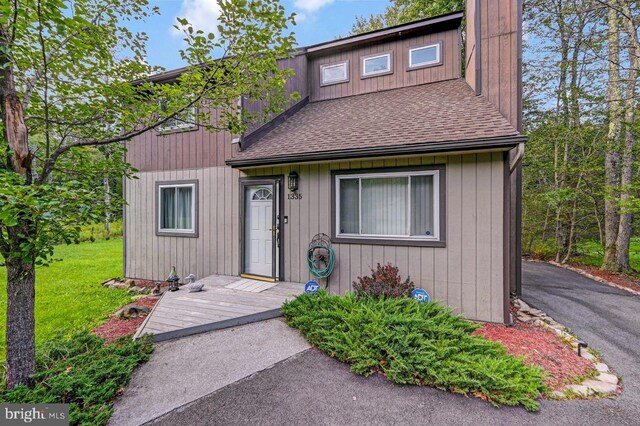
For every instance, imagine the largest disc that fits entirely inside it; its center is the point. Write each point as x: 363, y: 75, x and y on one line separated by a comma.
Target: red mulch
x: 541, y: 348
x: 150, y: 284
x: 622, y: 280
x: 115, y: 328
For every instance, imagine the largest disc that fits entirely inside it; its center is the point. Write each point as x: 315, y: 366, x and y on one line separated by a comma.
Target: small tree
x: 71, y: 81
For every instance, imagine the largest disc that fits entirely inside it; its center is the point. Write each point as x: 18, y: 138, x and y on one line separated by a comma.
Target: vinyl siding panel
x: 467, y: 274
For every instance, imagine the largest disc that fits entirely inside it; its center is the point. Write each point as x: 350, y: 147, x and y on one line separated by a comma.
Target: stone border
x: 593, y: 277
x: 606, y: 382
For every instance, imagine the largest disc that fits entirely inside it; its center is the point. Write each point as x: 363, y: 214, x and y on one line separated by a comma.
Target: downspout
x: 517, y: 158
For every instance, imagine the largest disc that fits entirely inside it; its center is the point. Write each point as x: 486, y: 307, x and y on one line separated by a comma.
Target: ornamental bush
x: 414, y: 343
x: 384, y: 281
x: 84, y: 372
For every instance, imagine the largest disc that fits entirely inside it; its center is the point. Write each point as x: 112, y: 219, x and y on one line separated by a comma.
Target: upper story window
x: 186, y: 120
x: 334, y: 73
x: 425, y: 56
x: 177, y: 208
x: 377, y: 64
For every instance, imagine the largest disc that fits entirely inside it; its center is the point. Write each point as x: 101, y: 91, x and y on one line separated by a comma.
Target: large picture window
x: 177, y: 208
x: 389, y: 206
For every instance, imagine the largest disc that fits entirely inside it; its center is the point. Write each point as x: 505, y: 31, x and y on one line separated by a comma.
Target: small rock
x: 132, y: 311
x: 602, y: 387
x: 587, y: 355
x: 536, y: 312
x: 602, y: 367
x: 130, y: 283
x: 609, y: 378
x: 579, y: 389
x: 139, y: 290
x: 524, y: 317
x: 558, y: 394
x: 523, y: 306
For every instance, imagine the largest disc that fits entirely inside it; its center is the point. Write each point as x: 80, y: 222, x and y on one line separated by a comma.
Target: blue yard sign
x: 311, y: 287
x: 421, y: 295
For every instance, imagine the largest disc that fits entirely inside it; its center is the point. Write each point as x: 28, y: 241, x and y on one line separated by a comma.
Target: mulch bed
x: 541, y: 348
x: 622, y: 280
x: 115, y: 328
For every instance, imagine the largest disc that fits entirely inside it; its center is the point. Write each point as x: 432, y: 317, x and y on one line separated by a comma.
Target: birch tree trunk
x: 612, y: 156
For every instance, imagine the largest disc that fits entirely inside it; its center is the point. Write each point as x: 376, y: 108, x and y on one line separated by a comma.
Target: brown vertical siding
x: 449, y: 69
x: 499, y: 51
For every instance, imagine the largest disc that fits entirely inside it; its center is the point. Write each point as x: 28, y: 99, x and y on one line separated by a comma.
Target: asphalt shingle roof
x: 435, y: 112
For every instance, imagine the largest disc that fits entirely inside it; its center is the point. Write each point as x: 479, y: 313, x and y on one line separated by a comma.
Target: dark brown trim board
x: 265, y: 180
x: 254, y: 136
x: 452, y: 20
x: 442, y: 242
x: 196, y: 218
x: 385, y: 151
x: 506, y: 239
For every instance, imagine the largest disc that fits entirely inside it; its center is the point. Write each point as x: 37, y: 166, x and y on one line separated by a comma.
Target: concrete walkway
x: 313, y: 389
x: 181, y: 371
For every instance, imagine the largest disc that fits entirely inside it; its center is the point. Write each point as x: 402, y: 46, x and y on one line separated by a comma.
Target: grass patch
x: 96, y: 232
x: 69, y: 296
x: 84, y: 372
x: 413, y: 343
x: 591, y: 254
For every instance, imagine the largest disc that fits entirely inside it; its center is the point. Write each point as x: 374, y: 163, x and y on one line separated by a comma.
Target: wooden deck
x: 223, y: 302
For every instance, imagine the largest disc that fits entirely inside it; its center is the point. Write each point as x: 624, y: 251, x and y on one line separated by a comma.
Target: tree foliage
x: 402, y: 11
x: 73, y: 89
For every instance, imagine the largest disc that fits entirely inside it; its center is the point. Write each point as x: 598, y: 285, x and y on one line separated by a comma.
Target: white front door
x: 258, y: 230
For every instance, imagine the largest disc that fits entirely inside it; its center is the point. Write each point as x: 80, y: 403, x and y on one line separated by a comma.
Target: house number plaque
x: 294, y: 196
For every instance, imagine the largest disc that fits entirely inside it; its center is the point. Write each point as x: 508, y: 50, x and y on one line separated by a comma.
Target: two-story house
x: 401, y: 149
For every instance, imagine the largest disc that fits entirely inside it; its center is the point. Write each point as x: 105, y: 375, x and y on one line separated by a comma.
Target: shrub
x: 384, y: 281
x: 84, y: 372
x: 414, y: 343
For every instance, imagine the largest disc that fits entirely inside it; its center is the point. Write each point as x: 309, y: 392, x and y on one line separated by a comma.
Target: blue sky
x: 318, y: 20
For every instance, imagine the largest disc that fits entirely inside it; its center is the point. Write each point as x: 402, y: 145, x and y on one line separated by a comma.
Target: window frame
x: 167, y: 232
x: 330, y: 65
x: 184, y: 127
x: 439, y: 240
x: 363, y: 59
x: 437, y: 62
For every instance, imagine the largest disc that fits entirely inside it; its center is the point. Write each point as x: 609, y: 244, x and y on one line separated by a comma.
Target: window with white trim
x: 394, y: 205
x: 184, y: 120
x: 177, y: 208
x: 376, y: 64
x: 334, y: 73
x: 425, y: 56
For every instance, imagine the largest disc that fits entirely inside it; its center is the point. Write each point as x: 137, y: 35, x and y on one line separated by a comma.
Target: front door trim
x: 277, y: 182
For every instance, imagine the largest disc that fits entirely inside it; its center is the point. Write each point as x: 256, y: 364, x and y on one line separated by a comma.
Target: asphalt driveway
x: 311, y: 388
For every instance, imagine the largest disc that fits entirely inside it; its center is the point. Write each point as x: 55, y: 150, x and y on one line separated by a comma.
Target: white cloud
x: 201, y: 14
x: 311, y: 5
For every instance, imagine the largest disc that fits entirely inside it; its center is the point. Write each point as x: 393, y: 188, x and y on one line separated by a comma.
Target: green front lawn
x: 69, y: 297
x: 590, y: 253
